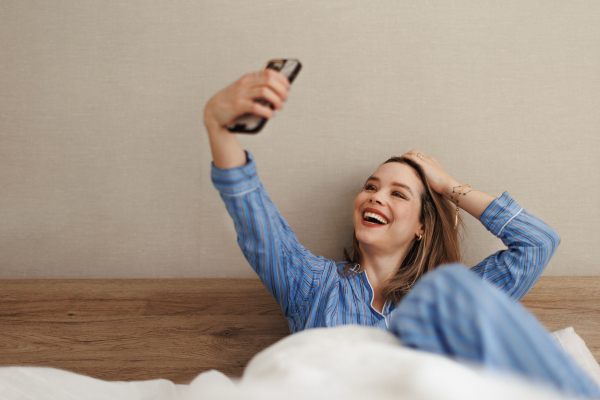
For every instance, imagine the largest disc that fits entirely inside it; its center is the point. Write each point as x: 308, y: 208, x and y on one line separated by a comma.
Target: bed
x: 176, y: 329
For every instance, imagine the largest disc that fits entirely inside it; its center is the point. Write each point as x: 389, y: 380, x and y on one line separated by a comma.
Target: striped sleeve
x: 531, y: 243
x: 287, y: 269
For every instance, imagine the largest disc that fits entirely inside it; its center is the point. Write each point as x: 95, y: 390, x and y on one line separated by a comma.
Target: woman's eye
x: 398, y: 194
x: 369, y: 187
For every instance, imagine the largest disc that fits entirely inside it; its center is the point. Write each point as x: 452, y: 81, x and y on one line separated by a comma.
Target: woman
x: 403, y: 229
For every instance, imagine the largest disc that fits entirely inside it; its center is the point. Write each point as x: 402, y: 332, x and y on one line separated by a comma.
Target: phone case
x: 250, y: 123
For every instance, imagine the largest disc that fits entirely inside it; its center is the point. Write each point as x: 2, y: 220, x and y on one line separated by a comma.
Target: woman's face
x: 387, y: 211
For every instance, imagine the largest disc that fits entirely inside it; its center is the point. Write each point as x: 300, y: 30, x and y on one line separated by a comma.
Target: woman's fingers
x: 271, y: 83
x: 416, y: 153
x: 267, y: 85
x: 268, y: 79
x: 249, y: 106
x: 266, y: 93
x: 238, y: 98
x: 439, y: 180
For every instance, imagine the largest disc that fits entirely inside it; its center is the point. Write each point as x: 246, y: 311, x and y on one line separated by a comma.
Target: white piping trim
x: 239, y: 194
x: 511, y: 218
x: 372, y: 291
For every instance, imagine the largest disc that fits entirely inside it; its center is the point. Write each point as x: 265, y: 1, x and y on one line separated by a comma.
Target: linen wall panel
x: 105, y: 163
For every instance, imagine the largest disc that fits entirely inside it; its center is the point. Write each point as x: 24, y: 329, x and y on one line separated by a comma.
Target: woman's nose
x: 375, y: 199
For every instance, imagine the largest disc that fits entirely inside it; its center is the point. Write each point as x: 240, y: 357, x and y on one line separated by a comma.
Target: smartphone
x: 250, y: 123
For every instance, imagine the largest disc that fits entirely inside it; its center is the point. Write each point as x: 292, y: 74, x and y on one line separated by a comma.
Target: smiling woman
x: 413, y: 195
x: 399, y: 193
x: 394, y: 279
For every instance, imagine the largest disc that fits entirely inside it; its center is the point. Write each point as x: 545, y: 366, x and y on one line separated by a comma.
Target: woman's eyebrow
x: 402, y: 185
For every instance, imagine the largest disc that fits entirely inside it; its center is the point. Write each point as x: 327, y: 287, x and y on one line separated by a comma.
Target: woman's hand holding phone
x: 252, y: 123
x: 238, y: 99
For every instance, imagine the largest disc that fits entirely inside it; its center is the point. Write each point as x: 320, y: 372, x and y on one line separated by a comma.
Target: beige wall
x: 105, y: 165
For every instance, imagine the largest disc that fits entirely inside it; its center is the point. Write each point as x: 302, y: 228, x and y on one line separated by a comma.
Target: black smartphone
x: 250, y: 123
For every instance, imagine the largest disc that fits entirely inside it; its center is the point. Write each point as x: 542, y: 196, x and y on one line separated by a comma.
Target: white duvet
x: 348, y: 362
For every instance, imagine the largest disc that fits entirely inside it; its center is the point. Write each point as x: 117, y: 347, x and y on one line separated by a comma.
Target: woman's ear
x: 420, y: 232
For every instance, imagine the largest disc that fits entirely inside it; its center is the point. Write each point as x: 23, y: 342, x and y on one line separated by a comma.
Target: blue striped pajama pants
x: 453, y: 312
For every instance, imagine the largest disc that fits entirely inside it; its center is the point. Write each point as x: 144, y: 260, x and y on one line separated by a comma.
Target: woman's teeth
x: 378, y: 218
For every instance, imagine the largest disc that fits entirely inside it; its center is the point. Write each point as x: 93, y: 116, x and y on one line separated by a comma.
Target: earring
x: 419, y: 237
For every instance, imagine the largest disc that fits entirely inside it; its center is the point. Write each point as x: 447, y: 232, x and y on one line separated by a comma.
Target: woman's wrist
x: 210, y: 122
x: 215, y: 131
x: 225, y: 147
x: 470, y: 200
x: 452, y: 189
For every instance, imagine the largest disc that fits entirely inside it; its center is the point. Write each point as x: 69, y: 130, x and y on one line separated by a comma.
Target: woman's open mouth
x: 374, y: 219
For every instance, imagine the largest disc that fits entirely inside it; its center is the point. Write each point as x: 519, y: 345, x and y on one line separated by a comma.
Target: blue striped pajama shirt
x: 450, y: 311
x: 310, y: 289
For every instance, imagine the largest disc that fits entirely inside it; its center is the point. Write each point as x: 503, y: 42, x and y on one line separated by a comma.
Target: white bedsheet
x: 348, y: 362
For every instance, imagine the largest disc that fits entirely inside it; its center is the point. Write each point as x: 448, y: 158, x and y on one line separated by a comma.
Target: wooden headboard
x: 177, y: 328
x: 563, y: 301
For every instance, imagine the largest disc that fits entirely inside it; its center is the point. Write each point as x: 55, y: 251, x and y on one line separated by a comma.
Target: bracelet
x: 457, y: 195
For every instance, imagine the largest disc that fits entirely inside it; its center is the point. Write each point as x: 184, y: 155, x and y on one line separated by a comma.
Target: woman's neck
x: 379, y: 268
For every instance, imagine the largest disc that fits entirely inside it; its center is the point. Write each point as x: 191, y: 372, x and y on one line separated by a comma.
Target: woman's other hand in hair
x: 437, y: 177
x: 472, y: 201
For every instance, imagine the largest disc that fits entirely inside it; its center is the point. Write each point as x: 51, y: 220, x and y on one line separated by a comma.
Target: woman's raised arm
x: 236, y: 100
x: 531, y: 243
x: 286, y: 268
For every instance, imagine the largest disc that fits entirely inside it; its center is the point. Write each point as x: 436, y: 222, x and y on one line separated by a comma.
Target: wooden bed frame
x: 177, y: 328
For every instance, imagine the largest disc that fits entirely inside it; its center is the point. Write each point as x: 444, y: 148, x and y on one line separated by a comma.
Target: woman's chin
x: 368, y: 241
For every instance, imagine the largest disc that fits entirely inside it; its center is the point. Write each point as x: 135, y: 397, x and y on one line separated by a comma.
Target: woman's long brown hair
x: 439, y: 245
